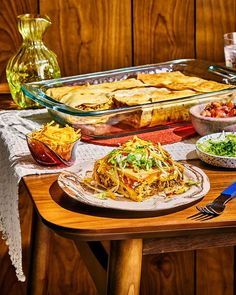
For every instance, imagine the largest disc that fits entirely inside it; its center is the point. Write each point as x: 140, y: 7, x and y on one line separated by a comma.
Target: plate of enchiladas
x: 136, y: 176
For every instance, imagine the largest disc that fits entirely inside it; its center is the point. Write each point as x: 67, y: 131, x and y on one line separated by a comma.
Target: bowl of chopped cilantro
x: 218, y: 149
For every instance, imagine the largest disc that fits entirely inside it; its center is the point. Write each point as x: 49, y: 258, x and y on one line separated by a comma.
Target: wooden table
x: 130, y: 236
x: 161, y: 234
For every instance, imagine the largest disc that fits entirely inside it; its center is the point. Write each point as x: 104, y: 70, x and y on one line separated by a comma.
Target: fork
x: 218, y: 205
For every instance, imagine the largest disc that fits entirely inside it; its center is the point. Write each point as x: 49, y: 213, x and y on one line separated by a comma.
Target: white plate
x: 69, y: 181
x: 219, y: 161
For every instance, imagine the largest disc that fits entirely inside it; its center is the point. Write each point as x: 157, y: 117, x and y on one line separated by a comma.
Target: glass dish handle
x: 227, y: 73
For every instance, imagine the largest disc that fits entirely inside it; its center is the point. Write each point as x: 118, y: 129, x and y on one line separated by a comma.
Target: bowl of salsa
x: 214, y: 117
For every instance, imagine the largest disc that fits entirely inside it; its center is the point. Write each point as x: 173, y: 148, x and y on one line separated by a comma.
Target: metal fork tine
x: 201, y: 216
x: 208, y: 211
x: 199, y: 209
x: 206, y: 217
x: 195, y: 215
x: 212, y: 210
x: 205, y: 210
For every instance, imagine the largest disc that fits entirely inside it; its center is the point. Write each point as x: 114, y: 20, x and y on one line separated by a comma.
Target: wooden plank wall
x: 91, y: 35
x: 163, y: 30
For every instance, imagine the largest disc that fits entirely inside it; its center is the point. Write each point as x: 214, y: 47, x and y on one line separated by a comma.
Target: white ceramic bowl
x: 219, y: 161
x: 207, y: 125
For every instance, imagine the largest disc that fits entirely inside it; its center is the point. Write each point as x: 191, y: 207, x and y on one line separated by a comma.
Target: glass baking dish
x: 128, y: 120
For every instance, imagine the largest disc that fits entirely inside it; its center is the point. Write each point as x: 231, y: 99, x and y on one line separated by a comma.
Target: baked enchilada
x: 136, y: 170
x: 136, y: 91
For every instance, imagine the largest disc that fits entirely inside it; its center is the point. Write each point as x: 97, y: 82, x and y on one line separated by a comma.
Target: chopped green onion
x: 224, y: 145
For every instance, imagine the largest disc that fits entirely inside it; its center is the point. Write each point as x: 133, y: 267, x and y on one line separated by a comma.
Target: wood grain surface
x: 97, y: 224
x: 200, y: 241
x: 124, y: 271
x: 90, y: 35
x: 67, y: 273
x: 93, y: 265
x: 40, y: 263
x: 168, y: 274
x: 57, y: 267
x: 10, y: 39
x: 6, y: 102
x: 163, y: 30
x: 4, y: 88
x: 214, y: 18
x: 215, y: 271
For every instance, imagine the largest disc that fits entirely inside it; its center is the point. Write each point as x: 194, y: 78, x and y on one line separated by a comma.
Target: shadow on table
x: 61, y: 198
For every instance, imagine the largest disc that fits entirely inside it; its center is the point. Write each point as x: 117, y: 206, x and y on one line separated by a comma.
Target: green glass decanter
x: 33, y: 61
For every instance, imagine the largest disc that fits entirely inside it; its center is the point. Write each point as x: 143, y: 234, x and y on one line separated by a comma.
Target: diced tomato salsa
x: 219, y: 110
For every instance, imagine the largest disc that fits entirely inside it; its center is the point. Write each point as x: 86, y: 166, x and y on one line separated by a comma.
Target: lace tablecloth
x: 17, y: 162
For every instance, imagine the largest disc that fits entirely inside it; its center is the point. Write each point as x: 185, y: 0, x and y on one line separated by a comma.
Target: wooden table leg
x: 40, y: 254
x: 95, y: 263
x: 124, y: 271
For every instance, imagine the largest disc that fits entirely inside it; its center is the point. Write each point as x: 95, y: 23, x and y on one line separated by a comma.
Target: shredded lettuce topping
x: 136, y: 156
x: 224, y: 145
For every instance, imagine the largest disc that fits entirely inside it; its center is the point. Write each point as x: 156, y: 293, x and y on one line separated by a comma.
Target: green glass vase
x: 33, y: 61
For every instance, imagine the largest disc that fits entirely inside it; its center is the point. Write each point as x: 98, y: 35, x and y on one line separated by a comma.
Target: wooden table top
x: 89, y: 223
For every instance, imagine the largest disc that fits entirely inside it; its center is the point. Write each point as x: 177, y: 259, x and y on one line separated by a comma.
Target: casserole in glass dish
x: 135, y: 101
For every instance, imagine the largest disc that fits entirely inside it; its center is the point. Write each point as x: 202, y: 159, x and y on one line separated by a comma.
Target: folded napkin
x: 16, y: 162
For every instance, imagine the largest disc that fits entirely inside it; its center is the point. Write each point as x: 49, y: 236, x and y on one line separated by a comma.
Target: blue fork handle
x: 230, y: 191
